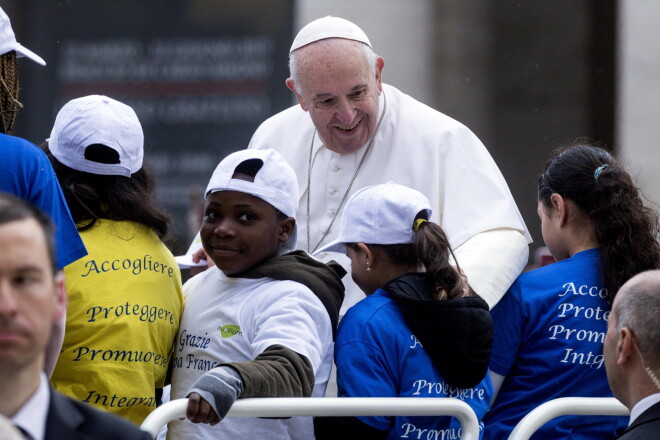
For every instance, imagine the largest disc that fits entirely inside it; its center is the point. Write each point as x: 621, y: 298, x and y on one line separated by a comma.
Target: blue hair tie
x: 599, y: 170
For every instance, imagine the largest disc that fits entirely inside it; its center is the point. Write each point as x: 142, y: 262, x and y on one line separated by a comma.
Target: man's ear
x: 625, y: 346
x: 286, y: 229
x: 61, y: 298
x: 292, y: 86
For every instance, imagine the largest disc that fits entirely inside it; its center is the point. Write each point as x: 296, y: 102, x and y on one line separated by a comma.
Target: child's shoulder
x: 561, y: 269
x: 371, y: 311
x: 375, y: 321
x: 214, y: 279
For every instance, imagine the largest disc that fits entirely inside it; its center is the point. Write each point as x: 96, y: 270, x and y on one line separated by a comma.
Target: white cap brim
x: 333, y: 246
x: 22, y: 51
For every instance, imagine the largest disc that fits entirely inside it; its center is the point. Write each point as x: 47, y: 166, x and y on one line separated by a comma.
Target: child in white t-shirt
x: 261, y: 322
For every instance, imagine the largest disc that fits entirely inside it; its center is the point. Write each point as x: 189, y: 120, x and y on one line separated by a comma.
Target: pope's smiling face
x: 340, y: 90
x: 240, y: 231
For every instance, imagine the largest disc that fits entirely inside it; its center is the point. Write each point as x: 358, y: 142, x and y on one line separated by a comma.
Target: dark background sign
x: 201, y: 75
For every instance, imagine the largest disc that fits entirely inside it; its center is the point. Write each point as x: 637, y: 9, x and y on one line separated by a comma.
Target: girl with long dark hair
x: 125, y: 296
x: 550, y: 326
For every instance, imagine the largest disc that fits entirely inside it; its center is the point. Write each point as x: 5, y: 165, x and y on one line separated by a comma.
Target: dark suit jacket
x: 645, y: 427
x: 72, y: 420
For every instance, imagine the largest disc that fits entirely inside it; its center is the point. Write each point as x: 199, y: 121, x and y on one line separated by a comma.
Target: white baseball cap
x: 275, y: 182
x: 329, y: 27
x: 98, y: 119
x: 8, y: 41
x: 380, y: 214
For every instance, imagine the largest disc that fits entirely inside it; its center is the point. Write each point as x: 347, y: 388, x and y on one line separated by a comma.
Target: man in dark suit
x: 632, y: 354
x: 32, y: 298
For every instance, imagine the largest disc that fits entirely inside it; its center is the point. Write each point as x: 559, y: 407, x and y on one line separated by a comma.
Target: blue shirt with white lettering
x: 377, y: 355
x: 548, y: 334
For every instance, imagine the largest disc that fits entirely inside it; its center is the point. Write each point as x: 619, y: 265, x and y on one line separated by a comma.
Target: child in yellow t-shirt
x: 125, y: 298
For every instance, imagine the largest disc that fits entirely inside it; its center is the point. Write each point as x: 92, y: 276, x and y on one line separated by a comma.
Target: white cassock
x: 419, y: 147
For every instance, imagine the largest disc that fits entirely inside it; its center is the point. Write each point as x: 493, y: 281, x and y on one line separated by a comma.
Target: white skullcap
x: 329, y: 27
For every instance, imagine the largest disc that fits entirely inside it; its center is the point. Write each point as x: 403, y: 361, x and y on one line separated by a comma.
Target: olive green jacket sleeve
x: 277, y: 372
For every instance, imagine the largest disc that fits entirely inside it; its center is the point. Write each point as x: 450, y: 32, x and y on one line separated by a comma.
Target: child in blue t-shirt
x: 550, y: 326
x: 420, y: 332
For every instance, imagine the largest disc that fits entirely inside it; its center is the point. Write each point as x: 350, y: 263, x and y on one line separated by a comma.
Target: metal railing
x: 585, y: 406
x: 330, y: 406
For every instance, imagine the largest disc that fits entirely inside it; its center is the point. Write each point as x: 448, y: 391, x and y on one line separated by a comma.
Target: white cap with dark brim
x: 98, y: 119
x: 275, y: 183
x: 329, y: 27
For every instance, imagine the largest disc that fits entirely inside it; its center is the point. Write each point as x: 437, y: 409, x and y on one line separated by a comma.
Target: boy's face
x: 240, y: 231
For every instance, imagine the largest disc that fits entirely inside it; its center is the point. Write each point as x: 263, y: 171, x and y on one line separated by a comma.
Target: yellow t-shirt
x: 125, y: 303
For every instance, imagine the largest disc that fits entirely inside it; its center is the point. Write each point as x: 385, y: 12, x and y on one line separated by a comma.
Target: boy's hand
x: 213, y: 394
x: 200, y: 411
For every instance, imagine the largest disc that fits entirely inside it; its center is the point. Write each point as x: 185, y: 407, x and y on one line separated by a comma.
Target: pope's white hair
x: 369, y: 54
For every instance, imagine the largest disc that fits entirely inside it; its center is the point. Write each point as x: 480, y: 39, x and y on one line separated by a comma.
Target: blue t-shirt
x: 548, y: 333
x: 26, y: 172
x: 378, y: 356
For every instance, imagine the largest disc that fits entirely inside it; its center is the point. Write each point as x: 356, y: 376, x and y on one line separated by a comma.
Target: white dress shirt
x: 31, y: 417
x: 642, y: 406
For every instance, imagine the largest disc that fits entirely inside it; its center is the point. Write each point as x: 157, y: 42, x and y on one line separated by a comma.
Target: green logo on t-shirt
x: 229, y: 330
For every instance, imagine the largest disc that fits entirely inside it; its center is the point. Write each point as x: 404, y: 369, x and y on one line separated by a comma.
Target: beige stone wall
x: 638, y: 118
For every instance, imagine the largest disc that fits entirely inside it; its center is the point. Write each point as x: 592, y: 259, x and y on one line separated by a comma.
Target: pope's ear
x: 291, y: 85
x: 380, y: 63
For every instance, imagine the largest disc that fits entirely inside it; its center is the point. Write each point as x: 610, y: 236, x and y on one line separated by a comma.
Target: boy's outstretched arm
x: 213, y: 394
x: 277, y: 372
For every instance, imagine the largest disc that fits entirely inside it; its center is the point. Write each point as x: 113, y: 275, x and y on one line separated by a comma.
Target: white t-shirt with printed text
x: 234, y: 320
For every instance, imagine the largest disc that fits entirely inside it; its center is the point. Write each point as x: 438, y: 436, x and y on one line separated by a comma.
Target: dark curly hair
x: 626, y: 230
x: 92, y: 196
